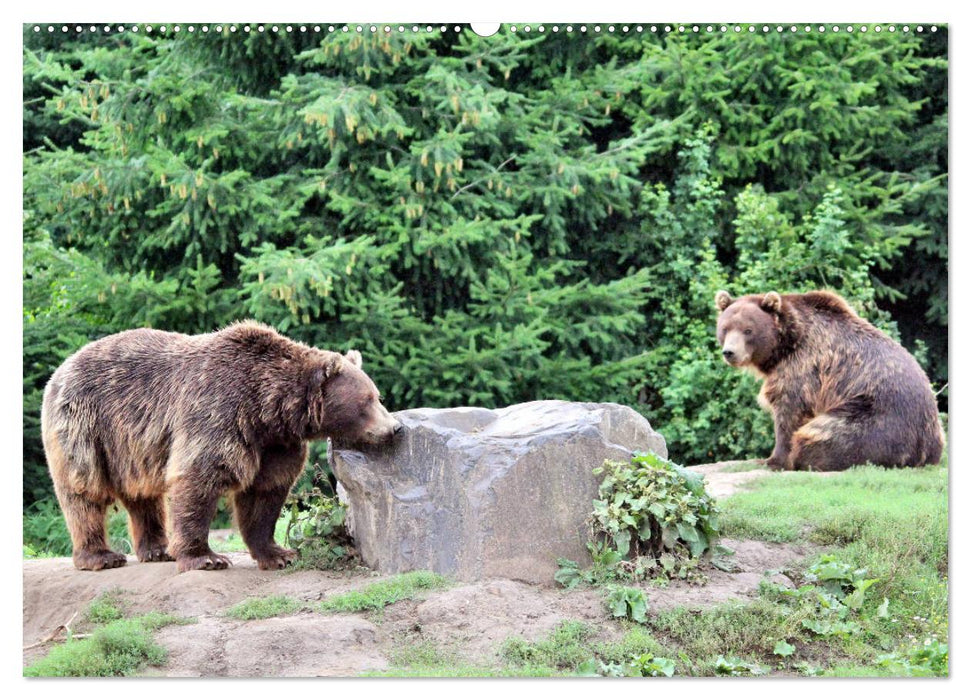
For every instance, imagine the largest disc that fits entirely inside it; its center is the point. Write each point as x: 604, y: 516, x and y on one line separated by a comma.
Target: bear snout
x: 383, y: 435
x: 729, y: 355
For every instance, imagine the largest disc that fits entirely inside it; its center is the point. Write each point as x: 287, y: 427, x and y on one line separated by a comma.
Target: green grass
x: 463, y: 672
x: 558, y: 654
x: 743, y: 467
x: 119, y: 648
x: 105, y: 608
x: 637, y: 641
x: 748, y: 630
x: 234, y: 543
x: 565, y: 648
x: 262, y: 608
x: 421, y: 654
x: 383, y: 593
x: 786, y: 507
x: 892, y: 523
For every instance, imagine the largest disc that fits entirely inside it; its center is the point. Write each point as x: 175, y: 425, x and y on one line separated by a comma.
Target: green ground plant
x: 107, y: 607
x: 121, y: 647
x: 563, y: 650
x: 378, y: 595
x: 314, y: 525
x: 265, y: 607
x: 860, y: 608
x: 627, y: 603
x: 653, y: 518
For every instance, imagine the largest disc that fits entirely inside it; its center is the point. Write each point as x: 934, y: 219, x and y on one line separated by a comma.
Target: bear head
x: 749, y: 328
x: 345, y: 405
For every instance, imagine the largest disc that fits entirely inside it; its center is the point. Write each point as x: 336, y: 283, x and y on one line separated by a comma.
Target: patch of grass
x: 888, y: 525
x: 233, y: 543
x: 855, y: 671
x: 105, y: 608
x: 422, y: 654
x: 831, y: 509
x: 743, y: 467
x: 262, y: 608
x: 564, y: 649
x: 119, y: 648
x: 891, y: 522
x: 636, y: 642
x: 464, y: 672
x: 746, y: 630
x: 383, y: 593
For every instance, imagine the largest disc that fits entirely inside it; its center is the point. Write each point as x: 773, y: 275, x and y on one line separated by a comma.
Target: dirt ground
x: 469, y: 620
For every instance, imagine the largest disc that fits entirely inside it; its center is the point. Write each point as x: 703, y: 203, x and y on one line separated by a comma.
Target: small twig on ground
x: 66, y: 627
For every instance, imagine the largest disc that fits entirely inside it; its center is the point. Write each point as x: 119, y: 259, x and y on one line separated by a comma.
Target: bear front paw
x: 777, y: 463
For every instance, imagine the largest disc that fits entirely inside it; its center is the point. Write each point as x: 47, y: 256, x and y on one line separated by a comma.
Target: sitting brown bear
x: 146, y: 414
x: 840, y: 391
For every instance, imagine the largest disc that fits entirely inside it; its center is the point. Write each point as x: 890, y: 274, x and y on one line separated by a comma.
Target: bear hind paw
x: 275, y: 558
x: 209, y: 561
x: 155, y: 553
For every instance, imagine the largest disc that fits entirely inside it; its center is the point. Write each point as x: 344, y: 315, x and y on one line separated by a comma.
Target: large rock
x: 474, y: 493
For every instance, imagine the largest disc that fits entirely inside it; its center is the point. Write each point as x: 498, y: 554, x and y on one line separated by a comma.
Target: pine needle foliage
x: 489, y: 220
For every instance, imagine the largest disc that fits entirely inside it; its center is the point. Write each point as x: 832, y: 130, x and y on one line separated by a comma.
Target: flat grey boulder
x: 475, y: 493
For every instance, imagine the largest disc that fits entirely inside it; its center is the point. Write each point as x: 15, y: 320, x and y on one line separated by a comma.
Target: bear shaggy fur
x: 840, y: 391
x: 146, y: 416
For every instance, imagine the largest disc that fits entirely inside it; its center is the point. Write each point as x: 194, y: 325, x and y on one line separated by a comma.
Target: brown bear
x: 147, y: 415
x: 841, y: 392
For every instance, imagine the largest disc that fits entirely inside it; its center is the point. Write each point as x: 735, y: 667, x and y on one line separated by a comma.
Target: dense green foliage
x: 316, y: 529
x: 653, y: 518
x: 489, y: 220
x: 45, y: 532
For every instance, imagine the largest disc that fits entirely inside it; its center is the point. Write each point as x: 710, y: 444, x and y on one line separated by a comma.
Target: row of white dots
x: 684, y: 29
x: 245, y: 28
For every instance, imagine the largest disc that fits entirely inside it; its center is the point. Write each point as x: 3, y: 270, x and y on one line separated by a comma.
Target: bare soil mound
x: 469, y: 621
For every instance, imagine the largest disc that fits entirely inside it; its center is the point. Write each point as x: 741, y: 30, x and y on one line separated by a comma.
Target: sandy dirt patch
x: 471, y: 621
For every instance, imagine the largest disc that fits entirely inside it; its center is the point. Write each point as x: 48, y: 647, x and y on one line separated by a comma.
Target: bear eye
x: 747, y: 331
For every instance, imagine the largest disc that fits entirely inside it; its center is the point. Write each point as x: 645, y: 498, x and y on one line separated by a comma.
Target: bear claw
x: 276, y: 558
x: 155, y: 554
x: 96, y: 561
x: 208, y: 562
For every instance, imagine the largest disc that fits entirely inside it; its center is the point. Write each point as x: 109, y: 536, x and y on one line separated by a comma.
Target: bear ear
x: 722, y: 300
x: 772, y: 302
x: 323, y: 371
x: 354, y: 357
x: 316, y: 379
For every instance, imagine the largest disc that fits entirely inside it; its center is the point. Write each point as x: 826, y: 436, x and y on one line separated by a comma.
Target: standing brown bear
x: 840, y: 391
x: 146, y: 414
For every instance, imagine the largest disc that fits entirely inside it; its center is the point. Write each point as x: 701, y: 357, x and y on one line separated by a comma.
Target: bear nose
x: 728, y: 354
